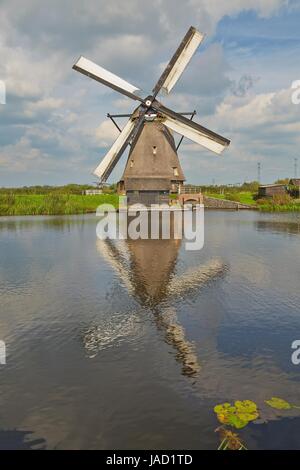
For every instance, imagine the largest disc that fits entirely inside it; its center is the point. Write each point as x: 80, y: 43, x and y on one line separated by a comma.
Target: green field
x: 52, y: 203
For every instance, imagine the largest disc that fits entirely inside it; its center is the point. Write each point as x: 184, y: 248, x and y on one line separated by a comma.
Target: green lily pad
x: 246, y: 405
x: 246, y: 410
x: 237, y: 415
x: 224, y: 408
x: 279, y: 403
x: 237, y: 422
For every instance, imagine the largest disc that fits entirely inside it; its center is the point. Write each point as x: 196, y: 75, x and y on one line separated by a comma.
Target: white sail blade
x: 110, y: 160
x: 179, y: 61
x: 114, y: 256
x: 196, y: 278
x: 198, y: 136
x: 89, y: 68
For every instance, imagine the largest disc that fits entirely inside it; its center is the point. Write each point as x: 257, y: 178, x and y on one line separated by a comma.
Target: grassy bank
x: 66, y: 200
x: 279, y: 203
x: 52, y: 203
x: 282, y: 204
x: 244, y: 197
x: 292, y: 207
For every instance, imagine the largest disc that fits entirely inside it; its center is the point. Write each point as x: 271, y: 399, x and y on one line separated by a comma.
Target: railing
x: 190, y: 189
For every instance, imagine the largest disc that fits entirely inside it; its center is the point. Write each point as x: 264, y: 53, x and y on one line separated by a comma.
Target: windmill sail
x: 112, y: 157
x: 192, y: 130
x: 89, y: 68
x: 179, y: 61
x: 150, y: 169
x: 201, y: 136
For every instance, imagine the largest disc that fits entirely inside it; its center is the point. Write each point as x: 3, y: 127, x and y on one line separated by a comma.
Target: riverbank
x: 67, y: 204
x: 53, y: 204
x: 249, y: 199
x: 292, y: 207
x: 243, y: 197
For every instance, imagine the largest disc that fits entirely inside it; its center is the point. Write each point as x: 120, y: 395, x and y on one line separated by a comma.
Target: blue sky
x: 54, y: 128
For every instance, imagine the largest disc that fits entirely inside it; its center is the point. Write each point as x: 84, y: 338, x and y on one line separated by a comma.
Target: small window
x: 154, y: 149
x: 131, y: 163
x: 175, y: 171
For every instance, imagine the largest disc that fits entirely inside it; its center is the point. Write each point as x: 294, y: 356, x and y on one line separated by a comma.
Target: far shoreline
x: 74, y: 199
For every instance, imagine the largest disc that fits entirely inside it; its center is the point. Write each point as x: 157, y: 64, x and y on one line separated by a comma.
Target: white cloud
x: 33, y: 108
x: 265, y: 109
x: 206, y: 14
x: 28, y: 75
x: 125, y: 49
x: 106, y: 133
x: 20, y: 157
x: 57, y: 110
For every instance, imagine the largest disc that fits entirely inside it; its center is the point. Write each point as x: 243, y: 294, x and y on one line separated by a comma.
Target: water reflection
x: 56, y: 223
x: 20, y: 440
x: 279, y: 226
x: 147, y: 270
x: 141, y: 304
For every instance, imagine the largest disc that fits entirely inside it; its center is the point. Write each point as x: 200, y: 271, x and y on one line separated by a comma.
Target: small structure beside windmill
x: 153, y: 170
x: 294, y: 182
x: 270, y: 190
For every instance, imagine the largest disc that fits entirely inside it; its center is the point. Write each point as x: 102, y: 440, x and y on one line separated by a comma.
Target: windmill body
x: 152, y: 170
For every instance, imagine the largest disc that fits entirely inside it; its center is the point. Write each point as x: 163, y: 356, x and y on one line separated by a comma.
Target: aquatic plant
x: 239, y: 415
x: 280, y: 404
x: 229, y: 440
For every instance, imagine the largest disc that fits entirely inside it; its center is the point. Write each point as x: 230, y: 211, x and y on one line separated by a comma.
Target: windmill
x: 152, y: 170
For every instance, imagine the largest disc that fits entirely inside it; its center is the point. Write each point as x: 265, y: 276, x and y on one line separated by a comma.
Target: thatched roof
x: 152, y: 159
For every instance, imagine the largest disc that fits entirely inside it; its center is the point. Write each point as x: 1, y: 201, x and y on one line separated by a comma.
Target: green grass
x: 53, y: 204
x: 244, y: 197
x: 66, y: 189
x: 215, y: 195
x: 247, y: 197
x: 293, y: 207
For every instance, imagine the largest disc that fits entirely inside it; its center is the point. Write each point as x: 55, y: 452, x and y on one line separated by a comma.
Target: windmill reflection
x: 146, y: 268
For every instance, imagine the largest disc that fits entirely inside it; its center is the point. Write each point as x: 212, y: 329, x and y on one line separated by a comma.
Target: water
x: 131, y: 345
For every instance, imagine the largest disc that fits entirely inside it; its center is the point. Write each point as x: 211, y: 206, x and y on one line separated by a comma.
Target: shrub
x: 281, y: 199
x: 262, y: 201
x: 294, y: 191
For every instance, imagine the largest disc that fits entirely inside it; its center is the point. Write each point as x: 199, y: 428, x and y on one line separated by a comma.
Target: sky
x: 54, y: 129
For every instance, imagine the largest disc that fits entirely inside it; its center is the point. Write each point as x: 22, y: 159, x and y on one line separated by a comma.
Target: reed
x: 291, y: 207
x: 52, y: 204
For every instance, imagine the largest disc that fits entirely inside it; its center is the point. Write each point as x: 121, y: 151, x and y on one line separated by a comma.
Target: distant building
x: 93, y: 192
x: 269, y: 190
x: 294, y: 181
